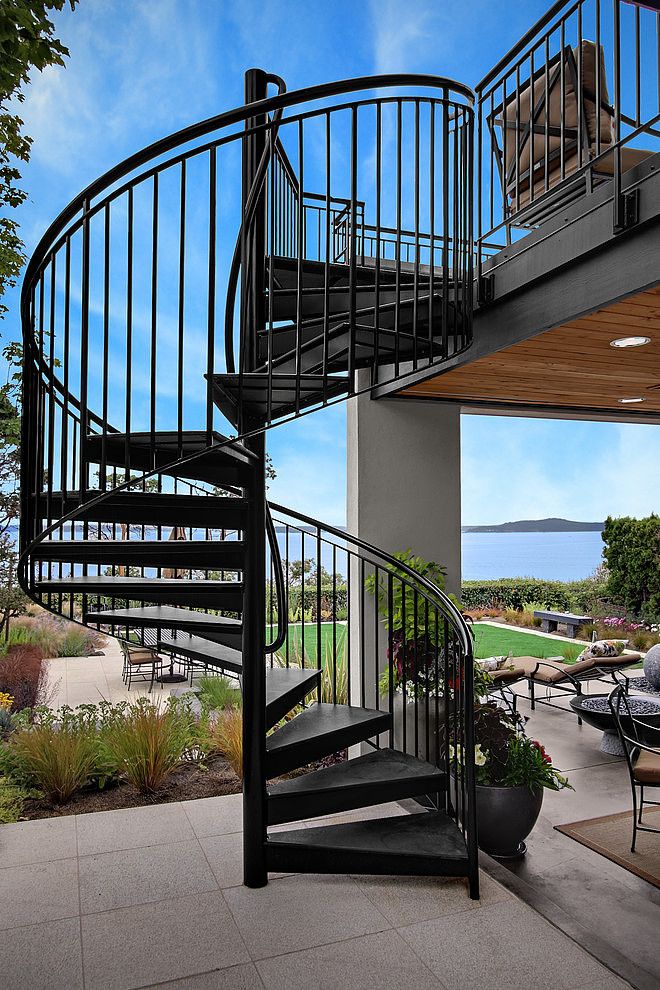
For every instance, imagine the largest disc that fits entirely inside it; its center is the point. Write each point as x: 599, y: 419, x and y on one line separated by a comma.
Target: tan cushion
x: 550, y: 671
x: 647, y: 767
x: 507, y: 674
x: 141, y: 656
x: 623, y: 660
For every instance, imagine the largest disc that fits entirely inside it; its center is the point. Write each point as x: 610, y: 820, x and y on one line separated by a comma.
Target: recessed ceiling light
x: 636, y: 398
x: 630, y: 341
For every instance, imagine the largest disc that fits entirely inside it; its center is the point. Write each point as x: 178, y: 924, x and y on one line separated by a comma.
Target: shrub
x: 145, y: 743
x: 11, y: 801
x: 23, y: 675
x: 227, y: 734
x: 216, y: 693
x: 518, y: 617
x: 57, y: 759
x: 513, y: 593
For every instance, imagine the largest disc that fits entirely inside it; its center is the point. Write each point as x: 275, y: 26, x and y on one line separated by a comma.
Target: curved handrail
x: 448, y: 606
x: 226, y: 119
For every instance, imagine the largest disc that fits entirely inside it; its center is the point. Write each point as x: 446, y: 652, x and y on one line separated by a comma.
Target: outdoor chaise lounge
x: 643, y: 760
x: 562, y: 678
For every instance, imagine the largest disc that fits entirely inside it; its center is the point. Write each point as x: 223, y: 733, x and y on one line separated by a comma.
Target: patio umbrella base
x: 171, y: 678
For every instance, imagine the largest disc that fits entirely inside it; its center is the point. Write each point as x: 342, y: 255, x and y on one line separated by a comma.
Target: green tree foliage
x: 632, y: 552
x: 27, y: 41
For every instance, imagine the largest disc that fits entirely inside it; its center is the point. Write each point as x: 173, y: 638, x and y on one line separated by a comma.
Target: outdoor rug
x: 611, y: 837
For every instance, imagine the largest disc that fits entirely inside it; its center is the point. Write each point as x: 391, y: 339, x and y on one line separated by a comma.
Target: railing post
x: 255, y: 873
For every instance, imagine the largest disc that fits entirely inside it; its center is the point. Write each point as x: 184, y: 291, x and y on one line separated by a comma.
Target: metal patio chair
x: 642, y: 759
x: 140, y: 664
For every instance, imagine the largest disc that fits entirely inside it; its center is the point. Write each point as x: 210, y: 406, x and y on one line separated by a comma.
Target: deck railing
x: 574, y: 104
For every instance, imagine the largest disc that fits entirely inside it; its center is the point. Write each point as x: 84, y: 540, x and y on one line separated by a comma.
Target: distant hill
x: 552, y: 525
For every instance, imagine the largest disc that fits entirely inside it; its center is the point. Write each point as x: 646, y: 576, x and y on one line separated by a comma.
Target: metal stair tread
x: 286, y: 392
x: 203, y: 650
x: 199, y: 553
x: 174, y: 591
x: 211, y: 466
x: 428, y: 843
x: 168, y: 616
x: 149, y: 508
x: 320, y: 730
x: 375, y: 778
x: 286, y: 687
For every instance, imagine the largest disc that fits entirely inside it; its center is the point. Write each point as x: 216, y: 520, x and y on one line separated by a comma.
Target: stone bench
x: 550, y: 621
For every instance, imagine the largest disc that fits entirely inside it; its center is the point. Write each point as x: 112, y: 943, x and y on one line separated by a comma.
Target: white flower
x: 479, y: 756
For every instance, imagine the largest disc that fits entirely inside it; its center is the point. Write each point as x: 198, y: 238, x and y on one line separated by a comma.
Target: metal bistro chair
x: 140, y: 664
x: 643, y: 760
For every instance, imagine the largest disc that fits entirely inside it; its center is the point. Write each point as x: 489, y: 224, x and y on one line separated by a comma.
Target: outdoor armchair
x: 643, y: 760
x: 140, y: 663
x: 546, y: 136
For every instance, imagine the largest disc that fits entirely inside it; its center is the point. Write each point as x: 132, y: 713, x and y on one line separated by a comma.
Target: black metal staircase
x: 311, y: 297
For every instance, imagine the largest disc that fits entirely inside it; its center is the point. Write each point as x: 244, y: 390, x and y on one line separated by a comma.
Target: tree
x: 27, y: 41
x: 632, y: 553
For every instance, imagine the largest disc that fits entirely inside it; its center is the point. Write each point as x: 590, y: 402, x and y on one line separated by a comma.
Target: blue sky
x: 142, y: 68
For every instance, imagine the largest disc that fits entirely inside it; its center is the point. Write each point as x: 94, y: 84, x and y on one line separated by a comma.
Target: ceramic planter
x: 505, y: 817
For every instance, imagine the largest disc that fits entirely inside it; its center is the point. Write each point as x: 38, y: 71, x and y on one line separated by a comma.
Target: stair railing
x: 384, y: 637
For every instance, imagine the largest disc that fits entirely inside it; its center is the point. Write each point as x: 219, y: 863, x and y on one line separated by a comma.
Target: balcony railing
x: 573, y: 105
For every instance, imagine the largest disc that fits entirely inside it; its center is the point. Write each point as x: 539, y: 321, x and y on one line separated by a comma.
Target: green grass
x: 496, y: 641
x: 310, y: 639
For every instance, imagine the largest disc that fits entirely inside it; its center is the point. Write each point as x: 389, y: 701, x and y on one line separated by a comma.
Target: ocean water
x: 552, y: 556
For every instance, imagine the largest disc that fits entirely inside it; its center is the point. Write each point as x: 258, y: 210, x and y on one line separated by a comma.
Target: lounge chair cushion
x: 622, y: 660
x: 647, y: 768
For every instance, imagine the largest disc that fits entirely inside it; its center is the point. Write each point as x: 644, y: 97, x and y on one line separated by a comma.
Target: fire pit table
x: 595, y: 711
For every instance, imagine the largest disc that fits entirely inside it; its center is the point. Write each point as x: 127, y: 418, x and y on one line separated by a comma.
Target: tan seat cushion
x: 623, y: 660
x: 142, y: 656
x: 550, y: 671
x: 647, y: 768
x: 506, y: 675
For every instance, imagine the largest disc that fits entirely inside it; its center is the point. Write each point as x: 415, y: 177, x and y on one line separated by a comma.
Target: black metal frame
x: 632, y: 746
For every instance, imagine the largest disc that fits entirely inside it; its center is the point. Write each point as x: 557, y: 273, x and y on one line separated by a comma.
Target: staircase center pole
x: 255, y: 873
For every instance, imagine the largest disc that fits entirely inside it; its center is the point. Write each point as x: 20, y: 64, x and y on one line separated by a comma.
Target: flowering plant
x: 505, y: 757
x: 6, y: 701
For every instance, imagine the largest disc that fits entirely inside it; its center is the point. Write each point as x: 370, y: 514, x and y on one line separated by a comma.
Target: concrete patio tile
x: 138, y: 876
x: 608, y: 981
x: 301, y: 912
x: 42, y: 957
x: 37, y: 842
x: 130, y: 828
x: 39, y: 892
x: 216, y: 815
x: 235, y: 978
x: 407, y: 900
x: 505, y: 944
x: 225, y: 857
x: 151, y: 943
x: 372, y: 962
x: 599, y: 790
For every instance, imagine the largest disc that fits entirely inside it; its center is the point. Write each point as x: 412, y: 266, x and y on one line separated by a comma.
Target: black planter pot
x: 505, y: 817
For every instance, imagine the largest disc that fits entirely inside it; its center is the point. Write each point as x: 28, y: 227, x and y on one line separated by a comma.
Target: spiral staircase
x: 121, y: 306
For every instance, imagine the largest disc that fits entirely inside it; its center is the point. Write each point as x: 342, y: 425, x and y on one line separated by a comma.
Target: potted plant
x: 420, y: 673
x: 512, y: 772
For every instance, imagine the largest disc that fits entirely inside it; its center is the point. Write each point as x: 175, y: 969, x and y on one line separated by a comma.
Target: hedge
x: 585, y: 596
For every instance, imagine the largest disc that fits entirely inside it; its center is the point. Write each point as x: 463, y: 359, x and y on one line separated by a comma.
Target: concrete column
x: 403, y: 490
x: 404, y: 478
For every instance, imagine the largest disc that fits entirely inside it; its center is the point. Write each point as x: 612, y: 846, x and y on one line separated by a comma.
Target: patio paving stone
x: 381, y: 961
x: 299, y: 912
x: 37, y: 842
x: 216, y: 815
x: 42, y: 957
x: 138, y: 876
x: 151, y: 943
x: 423, y: 898
x: 38, y: 892
x: 473, y: 951
x: 130, y: 828
x: 235, y: 978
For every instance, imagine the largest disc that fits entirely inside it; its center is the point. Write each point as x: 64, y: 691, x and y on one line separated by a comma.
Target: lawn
x: 310, y: 639
x: 496, y: 641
